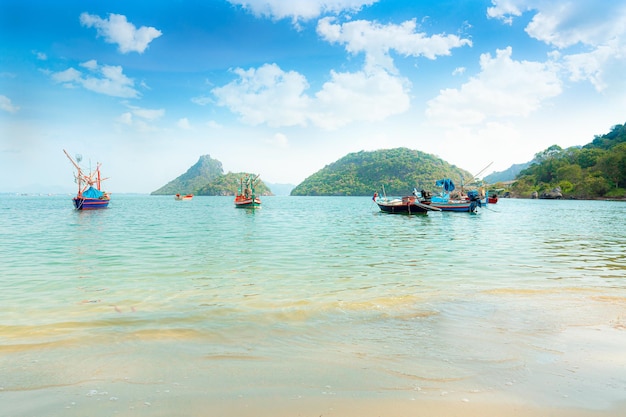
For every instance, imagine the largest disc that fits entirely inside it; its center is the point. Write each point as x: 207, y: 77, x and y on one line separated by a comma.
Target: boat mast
x: 252, y: 186
x: 79, y: 174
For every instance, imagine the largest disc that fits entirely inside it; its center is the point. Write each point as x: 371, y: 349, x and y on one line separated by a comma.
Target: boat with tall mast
x: 246, y: 196
x: 89, y: 195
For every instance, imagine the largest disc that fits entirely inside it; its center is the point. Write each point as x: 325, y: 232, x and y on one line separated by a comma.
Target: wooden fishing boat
x: 404, y: 205
x: 491, y: 196
x: 446, y: 202
x: 89, y: 195
x: 246, y: 194
x: 179, y: 197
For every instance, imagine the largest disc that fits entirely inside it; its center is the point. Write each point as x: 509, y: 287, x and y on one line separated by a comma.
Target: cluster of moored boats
x: 90, y: 196
x: 424, y: 201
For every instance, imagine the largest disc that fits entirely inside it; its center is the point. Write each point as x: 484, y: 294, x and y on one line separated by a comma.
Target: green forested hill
x: 196, y: 177
x: 206, y: 177
x: 228, y: 184
x: 362, y: 173
x: 596, y: 170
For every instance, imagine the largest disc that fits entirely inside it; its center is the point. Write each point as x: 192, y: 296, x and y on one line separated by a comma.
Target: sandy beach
x: 100, y: 404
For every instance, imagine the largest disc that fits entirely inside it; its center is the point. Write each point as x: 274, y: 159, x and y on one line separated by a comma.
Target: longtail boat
x: 406, y: 205
x: 246, y: 194
x: 89, y: 195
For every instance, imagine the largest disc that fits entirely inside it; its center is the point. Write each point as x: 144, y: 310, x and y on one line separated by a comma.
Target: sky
x: 283, y: 88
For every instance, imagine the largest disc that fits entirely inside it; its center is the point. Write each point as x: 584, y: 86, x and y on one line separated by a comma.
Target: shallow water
x: 155, y: 302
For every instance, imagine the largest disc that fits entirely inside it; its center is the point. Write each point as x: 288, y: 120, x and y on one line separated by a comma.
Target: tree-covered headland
x: 398, y: 170
x: 596, y: 170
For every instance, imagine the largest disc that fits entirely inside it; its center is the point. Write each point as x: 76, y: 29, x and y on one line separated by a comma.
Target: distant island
x: 595, y: 170
x: 398, y: 170
x: 206, y: 177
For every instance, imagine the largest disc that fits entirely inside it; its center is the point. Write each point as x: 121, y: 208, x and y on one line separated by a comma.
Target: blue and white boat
x: 461, y: 203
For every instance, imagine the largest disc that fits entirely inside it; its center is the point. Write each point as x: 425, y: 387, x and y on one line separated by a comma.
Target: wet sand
x: 576, y: 372
x: 101, y: 404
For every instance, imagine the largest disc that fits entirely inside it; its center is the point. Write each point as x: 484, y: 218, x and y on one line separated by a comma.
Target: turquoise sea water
x: 156, y: 303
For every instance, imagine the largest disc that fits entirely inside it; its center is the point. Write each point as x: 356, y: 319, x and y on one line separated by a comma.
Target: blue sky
x: 283, y: 88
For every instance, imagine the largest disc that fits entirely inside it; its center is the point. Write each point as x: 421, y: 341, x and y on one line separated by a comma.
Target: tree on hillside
x: 615, y: 136
x: 613, y: 165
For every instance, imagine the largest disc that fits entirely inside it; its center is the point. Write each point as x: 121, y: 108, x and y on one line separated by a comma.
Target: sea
x: 162, y: 307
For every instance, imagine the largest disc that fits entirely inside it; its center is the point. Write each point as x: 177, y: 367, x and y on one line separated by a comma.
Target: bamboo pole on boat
x: 79, y: 175
x: 482, y: 170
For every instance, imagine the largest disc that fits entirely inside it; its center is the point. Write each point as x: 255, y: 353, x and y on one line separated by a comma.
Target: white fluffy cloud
x: 7, y: 105
x: 300, y: 9
x: 103, y: 79
x: 116, y: 29
x: 40, y: 55
x: 269, y: 95
x: 184, y: 124
x: 266, y: 95
x: 506, y: 10
x: 360, y: 96
x: 503, y: 88
x: 591, y: 66
x: 148, y: 114
x: 279, y: 140
x: 566, y: 23
x: 126, y: 118
x: 590, y: 35
x: 376, y: 40
x: 141, y: 119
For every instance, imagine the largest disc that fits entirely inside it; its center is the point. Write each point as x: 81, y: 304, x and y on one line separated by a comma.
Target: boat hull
x: 401, y: 208
x: 461, y: 207
x: 248, y: 203
x: 407, y: 205
x: 90, y: 203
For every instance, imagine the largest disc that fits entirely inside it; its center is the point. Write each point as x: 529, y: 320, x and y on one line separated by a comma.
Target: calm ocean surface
x: 155, y: 303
